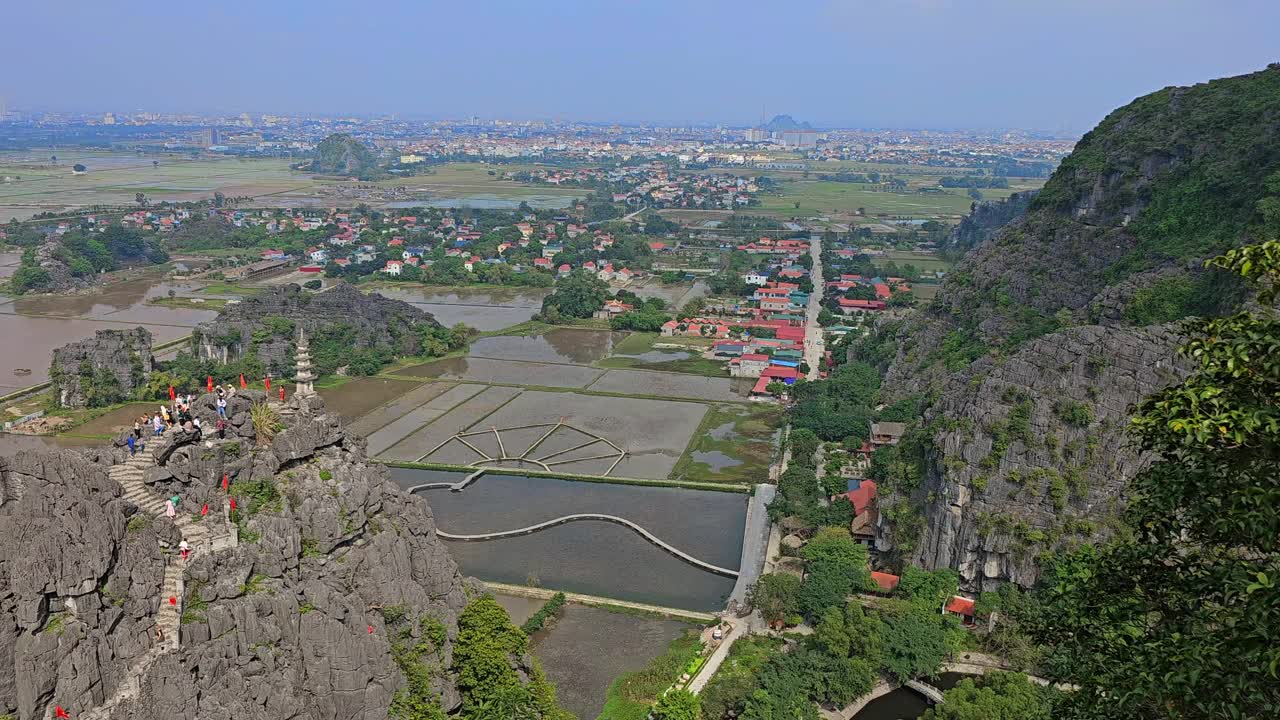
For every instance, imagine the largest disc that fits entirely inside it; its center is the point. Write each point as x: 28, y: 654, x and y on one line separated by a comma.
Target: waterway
x: 594, y: 558
x: 905, y: 703
x: 36, y: 325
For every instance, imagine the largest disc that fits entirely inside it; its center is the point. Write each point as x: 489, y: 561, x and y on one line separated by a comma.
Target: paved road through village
x: 812, y: 331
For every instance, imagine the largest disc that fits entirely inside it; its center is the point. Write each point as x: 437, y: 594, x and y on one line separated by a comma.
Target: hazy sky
x: 1045, y: 64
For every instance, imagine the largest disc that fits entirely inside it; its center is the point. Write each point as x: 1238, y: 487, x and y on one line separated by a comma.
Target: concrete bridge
x: 601, y: 518
x: 455, y: 487
x: 931, y: 693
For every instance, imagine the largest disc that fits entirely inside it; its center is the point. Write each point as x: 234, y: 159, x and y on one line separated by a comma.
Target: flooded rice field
x: 586, y: 648
x: 482, y: 309
x: 594, y: 558
x: 506, y: 372
x: 563, y: 345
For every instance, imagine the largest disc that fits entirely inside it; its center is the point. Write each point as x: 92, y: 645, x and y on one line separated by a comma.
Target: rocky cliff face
x: 985, y: 219
x: 104, y: 368
x: 267, y: 325
x: 1049, y: 329
x: 298, y: 620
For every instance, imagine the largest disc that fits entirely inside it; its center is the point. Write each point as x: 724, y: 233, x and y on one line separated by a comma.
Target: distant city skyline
x: 923, y: 64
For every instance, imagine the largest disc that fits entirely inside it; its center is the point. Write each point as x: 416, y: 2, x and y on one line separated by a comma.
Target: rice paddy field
x: 32, y: 182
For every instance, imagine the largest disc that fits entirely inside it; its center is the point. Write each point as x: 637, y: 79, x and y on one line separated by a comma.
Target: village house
x: 887, y: 433
x: 748, y: 365
x: 393, y: 267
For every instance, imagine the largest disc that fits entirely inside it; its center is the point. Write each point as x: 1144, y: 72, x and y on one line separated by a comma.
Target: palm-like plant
x: 266, y: 421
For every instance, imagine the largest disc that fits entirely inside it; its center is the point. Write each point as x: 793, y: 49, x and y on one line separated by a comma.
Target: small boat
x: 22, y: 371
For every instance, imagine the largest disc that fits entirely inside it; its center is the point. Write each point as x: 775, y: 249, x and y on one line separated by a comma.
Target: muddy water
x: 586, y: 648
x: 563, y: 345
x: 11, y: 444
x: 34, y: 326
x: 480, y: 308
x: 9, y: 262
x: 594, y: 558
x: 358, y: 397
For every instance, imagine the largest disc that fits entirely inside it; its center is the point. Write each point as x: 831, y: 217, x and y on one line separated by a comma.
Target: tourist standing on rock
x: 222, y: 405
x: 199, y: 430
x: 130, y: 440
x: 222, y: 429
x: 137, y: 429
x: 184, y: 549
x: 157, y: 424
x: 169, y: 510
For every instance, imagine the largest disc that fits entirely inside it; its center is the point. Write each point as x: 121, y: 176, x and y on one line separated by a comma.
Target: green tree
x: 1178, y: 619
x: 917, y: 639
x: 577, y: 296
x: 775, y: 596
x: 678, y: 705
x: 995, y: 696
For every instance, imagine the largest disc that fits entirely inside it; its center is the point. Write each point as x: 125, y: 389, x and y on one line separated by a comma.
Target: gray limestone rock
x: 106, y: 367
x: 268, y: 323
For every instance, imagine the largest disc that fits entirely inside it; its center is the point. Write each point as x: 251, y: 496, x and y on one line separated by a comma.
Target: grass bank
x: 632, y: 695
x: 741, y: 433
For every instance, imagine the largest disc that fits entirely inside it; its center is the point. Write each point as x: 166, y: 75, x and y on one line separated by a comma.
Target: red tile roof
x: 862, y: 497
x: 960, y: 606
x: 886, y: 581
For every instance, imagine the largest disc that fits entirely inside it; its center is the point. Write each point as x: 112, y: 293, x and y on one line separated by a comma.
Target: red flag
x: 173, y: 600
x: 172, y: 395
x: 233, y: 503
x: 58, y: 712
x: 243, y: 384
x: 281, y: 393
x: 209, y: 383
x: 225, y: 483
x: 370, y: 629
x: 267, y: 381
x: 204, y: 510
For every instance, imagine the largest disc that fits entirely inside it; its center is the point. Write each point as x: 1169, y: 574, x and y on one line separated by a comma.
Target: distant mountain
x: 786, y: 122
x: 341, y: 154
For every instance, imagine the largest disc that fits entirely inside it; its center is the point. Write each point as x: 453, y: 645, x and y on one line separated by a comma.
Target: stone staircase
x: 212, y: 534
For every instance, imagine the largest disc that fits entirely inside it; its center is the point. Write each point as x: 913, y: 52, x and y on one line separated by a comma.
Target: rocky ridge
x: 1043, y: 336
x: 266, y: 324
x: 287, y: 615
x: 123, y: 355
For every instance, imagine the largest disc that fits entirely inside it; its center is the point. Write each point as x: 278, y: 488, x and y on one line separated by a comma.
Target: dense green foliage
x: 86, y: 254
x: 836, y: 566
x: 1215, y: 148
x: 678, y: 705
x: 548, y: 610
x: 994, y: 696
x: 482, y: 660
x: 776, y: 596
x: 1179, y: 296
x: 576, y: 296
x: 840, y: 406
x: 1178, y: 619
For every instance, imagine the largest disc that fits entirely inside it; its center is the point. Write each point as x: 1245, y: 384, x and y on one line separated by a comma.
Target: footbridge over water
x: 600, y: 517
